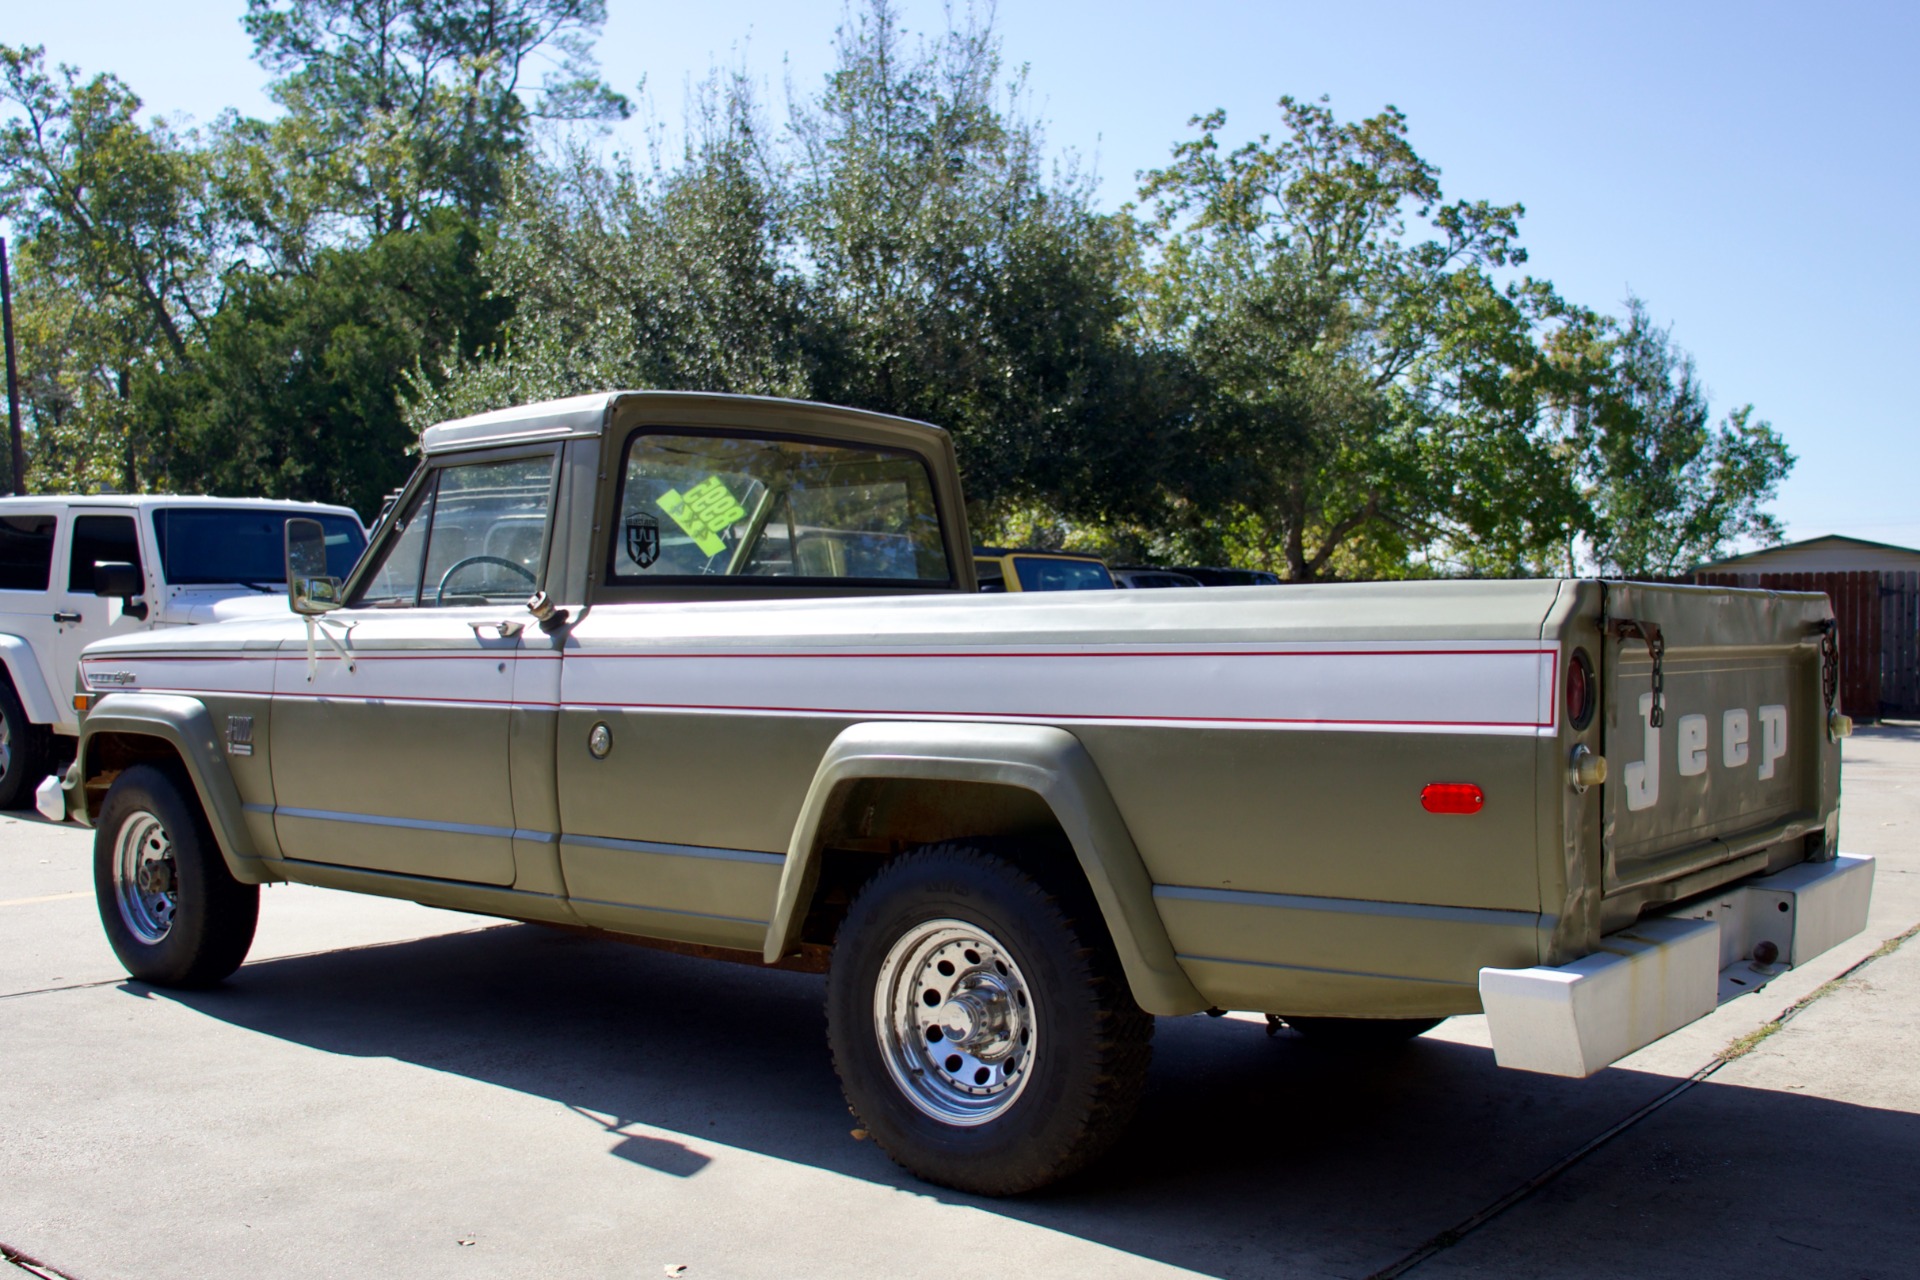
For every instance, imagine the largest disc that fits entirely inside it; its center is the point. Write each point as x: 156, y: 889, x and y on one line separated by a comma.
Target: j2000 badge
x: 643, y: 540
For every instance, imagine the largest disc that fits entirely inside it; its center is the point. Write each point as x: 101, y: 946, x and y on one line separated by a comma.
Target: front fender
x: 28, y: 680
x: 1047, y: 761
x: 186, y: 725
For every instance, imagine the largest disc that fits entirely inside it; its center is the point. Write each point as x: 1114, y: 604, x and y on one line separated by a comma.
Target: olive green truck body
x: 1384, y: 801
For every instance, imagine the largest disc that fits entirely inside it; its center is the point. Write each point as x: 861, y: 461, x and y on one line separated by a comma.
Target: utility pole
x: 13, y: 381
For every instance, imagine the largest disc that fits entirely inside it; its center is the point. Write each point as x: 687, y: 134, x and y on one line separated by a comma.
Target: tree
x: 950, y: 275
x: 666, y: 277
x: 397, y: 107
x: 1666, y: 488
x: 1363, y: 393
x: 294, y: 388
x: 119, y: 241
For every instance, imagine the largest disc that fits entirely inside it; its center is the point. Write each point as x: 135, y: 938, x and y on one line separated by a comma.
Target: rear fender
x: 1047, y: 761
x: 185, y: 725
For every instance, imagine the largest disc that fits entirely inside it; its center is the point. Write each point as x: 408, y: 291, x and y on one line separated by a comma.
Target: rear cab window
x: 699, y: 505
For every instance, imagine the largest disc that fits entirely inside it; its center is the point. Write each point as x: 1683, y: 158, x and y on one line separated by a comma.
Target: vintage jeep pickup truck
x: 711, y: 672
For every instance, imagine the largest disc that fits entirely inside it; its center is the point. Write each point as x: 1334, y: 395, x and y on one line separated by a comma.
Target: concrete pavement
x: 390, y: 1090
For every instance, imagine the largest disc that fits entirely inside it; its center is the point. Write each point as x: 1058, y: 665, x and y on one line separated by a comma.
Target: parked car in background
x: 78, y: 569
x: 1140, y: 578
x: 1230, y: 577
x: 1017, y: 569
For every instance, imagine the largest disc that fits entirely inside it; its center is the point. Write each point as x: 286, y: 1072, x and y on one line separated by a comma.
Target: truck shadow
x: 1252, y: 1155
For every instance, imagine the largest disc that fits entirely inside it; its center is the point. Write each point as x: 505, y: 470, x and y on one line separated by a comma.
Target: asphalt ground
x: 388, y: 1090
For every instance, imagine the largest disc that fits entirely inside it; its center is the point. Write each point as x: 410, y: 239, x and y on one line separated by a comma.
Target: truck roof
x: 148, y: 501
x: 588, y: 415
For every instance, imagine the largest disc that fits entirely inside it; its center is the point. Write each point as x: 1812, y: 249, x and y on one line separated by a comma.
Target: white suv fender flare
x: 28, y: 680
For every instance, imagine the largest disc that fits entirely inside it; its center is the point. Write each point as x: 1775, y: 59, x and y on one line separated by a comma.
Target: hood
x: 198, y: 605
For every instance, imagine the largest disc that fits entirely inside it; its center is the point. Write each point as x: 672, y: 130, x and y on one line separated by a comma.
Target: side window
x: 474, y: 534
x: 99, y: 540
x: 751, y: 507
x: 396, y: 581
x: 26, y: 552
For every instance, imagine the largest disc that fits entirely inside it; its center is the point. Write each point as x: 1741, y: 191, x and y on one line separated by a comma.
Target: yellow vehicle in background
x: 1014, y: 569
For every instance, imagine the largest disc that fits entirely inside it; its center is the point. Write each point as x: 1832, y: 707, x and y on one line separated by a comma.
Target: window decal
x: 702, y: 512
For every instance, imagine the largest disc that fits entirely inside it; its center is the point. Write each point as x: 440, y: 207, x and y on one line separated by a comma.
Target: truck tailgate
x: 1735, y: 755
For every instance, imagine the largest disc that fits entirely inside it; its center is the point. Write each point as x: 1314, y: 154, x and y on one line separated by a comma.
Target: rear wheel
x: 1361, y: 1033
x: 24, y: 750
x: 980, y: 1023
x: 172, y: 911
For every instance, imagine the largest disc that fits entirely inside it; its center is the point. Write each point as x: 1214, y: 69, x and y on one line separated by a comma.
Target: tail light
x: 1581, y: 690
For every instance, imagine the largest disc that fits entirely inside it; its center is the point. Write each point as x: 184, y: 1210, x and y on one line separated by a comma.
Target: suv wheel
x: 980, y: 1023
x: 23, y: 750
x: 175, y: 915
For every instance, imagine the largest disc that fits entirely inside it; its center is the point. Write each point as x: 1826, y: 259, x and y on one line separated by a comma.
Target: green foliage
x: 1364, y: 391
x: 949, y: 276
x: 669, y: 278
x: 397, y: 107
x: 1665, y: 487
x: 115, y: 264
x: 294, y: 389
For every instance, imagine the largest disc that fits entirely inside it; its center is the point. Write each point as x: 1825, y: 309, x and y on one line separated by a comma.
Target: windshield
x: 203, y: 546
x: 1039, y: 573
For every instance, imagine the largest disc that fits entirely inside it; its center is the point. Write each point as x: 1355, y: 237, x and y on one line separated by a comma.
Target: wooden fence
x: 1900, y: 645
x: 1879, y: 617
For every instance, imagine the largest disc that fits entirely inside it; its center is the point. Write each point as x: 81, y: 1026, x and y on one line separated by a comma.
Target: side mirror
x: 116, y: 579
x: 309, y: 588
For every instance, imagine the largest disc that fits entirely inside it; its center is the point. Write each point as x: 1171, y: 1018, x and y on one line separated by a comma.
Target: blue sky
x: 1748, y: 169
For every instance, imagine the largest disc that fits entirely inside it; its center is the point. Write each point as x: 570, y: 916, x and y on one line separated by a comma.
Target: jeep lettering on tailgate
x: 1642, y: 777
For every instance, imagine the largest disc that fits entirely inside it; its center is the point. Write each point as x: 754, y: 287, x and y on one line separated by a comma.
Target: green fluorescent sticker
x: 703, y: 511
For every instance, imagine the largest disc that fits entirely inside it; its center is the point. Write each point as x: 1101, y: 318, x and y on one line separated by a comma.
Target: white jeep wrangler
x: 75, y: 569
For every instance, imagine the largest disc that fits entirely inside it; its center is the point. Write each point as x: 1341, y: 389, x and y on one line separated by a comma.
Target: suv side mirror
x: 118, y: 579
x: 309, y: 588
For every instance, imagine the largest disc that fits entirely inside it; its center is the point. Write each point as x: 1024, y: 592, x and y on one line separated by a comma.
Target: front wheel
x: 172, y: 911
x: 980, y: 1023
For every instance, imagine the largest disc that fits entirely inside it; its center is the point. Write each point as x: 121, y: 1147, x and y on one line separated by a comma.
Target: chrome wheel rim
x: 955, y: 1021
x: 145, y: 881
x: 6, y: 744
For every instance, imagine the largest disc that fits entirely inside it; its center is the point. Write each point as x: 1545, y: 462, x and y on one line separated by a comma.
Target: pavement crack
x: 1444, y: 1240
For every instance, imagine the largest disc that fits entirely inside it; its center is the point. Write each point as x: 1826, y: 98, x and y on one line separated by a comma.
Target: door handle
x: 66, y: 615
x: 505, y: 630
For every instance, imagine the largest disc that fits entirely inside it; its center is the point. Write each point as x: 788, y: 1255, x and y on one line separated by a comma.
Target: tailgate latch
x: 1624, y: 629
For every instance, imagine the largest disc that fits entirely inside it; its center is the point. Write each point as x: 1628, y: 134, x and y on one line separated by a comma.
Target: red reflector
x: 1451, y: 797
